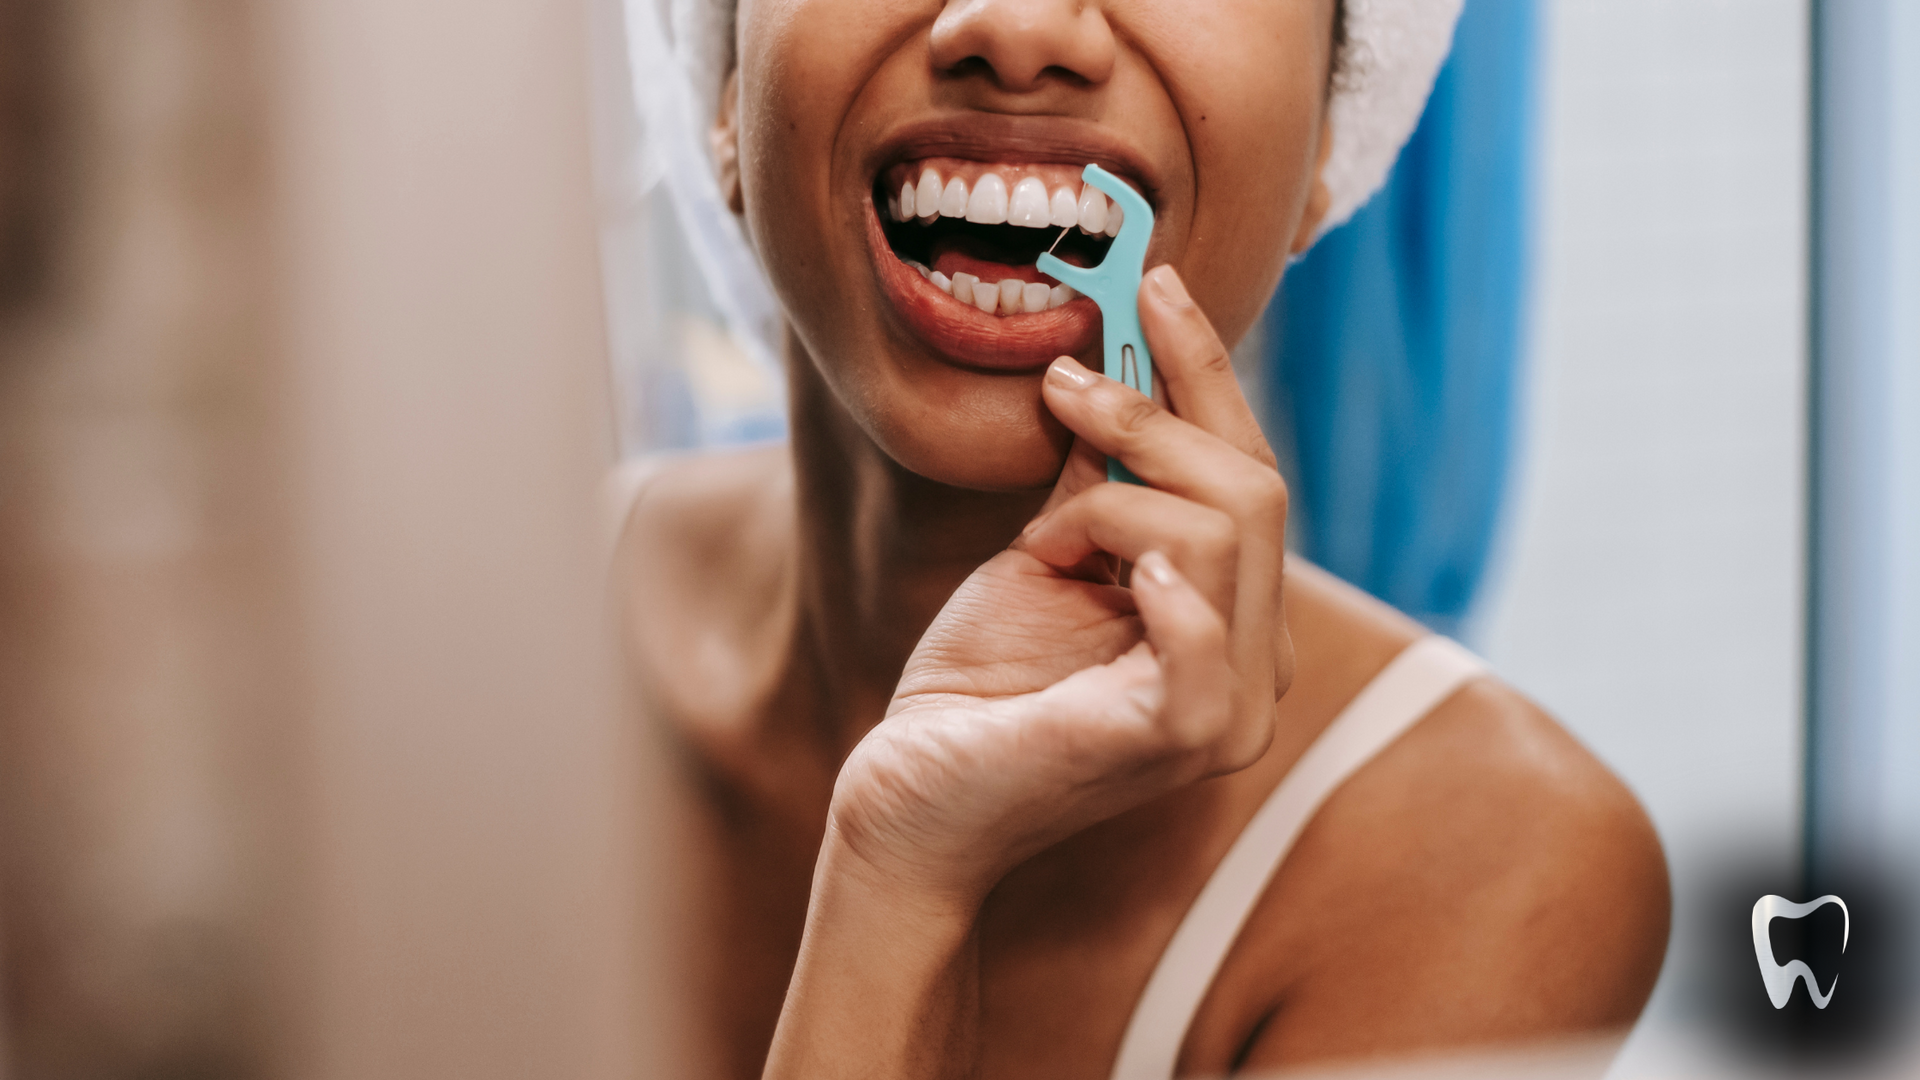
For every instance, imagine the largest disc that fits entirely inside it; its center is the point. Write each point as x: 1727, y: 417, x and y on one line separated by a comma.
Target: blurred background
x: 322, y: 322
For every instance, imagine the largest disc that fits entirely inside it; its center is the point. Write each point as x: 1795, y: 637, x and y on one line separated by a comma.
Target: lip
x: 1038, y: 140
x: 963, y: 334
x: 960, y: 333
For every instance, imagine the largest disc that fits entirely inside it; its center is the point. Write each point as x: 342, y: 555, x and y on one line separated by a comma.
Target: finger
x: 1189, y: 639
x: 1085, y: 467
x: 1195, y: 365
x: 1180, y: 458
x: 1164, y: 450
x: 1128, y: 521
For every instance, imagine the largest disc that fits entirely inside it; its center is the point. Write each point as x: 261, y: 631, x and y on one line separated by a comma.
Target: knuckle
x: 1222, y: 537
x: 1262, y: 452
x: 1268, y: 501
x: 1246, y: 742
x: 1134, y: 414
x: 1210, y: 539
x: 1214, y: 359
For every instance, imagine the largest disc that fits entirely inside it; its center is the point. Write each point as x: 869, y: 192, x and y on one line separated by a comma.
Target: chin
x: 993, y: 435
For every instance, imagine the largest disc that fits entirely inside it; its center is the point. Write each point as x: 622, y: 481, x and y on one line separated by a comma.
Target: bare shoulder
x: 684, y: 502
x: 1486, y: 878
x: 702, y: 574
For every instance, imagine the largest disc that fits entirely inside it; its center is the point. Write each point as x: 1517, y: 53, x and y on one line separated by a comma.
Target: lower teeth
x: 1010, y: 297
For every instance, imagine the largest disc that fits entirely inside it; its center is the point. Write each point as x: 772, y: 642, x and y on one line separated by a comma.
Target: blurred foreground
x: 310, y: 762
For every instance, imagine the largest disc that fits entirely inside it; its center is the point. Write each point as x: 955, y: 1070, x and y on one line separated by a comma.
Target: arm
x: 886, y: 984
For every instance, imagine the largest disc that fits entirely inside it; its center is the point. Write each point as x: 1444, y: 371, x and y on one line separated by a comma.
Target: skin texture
x: 964, y: 729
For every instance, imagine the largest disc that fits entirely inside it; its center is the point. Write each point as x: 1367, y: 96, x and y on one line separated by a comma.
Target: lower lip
x: 962, y: 334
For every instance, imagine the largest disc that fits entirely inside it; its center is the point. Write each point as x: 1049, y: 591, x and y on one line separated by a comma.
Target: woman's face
x: 987, y: 110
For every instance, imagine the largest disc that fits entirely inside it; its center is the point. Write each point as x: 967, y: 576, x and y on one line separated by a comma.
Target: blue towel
x: 1399, y: 340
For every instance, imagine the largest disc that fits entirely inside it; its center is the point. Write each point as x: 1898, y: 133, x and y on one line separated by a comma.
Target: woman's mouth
x: 957, y: 240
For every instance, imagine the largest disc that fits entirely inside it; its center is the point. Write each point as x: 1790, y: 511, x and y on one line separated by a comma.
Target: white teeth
x: 1029, y: 205
x: 1010, y: 291
x: 988, y: 206
x: 1064, y: 211
x: 1115, y: 216
x: 986, y: 296
x: 1009, y: 297
x: 953, y: 201
x: 893, y: 210
x: 1093, y: 209
x: 926, y: 197
x: 906, y: 203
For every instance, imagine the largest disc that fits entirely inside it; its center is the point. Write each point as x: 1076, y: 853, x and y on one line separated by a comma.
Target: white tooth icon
x: 988, y: 205
x: 963, y: 287
x: 1010, y: 292
x: 906, y: 203
x: 1093, y: 209
x: 941, y: 282
x: 1779, y: 978
x: 1028, y: 207
x: 1058, y: 295
x: 953, y: 200
x: 1033, y: 296
x: 1063, y: 212
x: 926, y: 197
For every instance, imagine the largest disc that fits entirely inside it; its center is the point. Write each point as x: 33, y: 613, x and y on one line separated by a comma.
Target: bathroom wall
x: 1650, y: 588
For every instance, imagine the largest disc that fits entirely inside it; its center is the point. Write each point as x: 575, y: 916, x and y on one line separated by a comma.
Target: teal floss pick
x: 1114, y: 285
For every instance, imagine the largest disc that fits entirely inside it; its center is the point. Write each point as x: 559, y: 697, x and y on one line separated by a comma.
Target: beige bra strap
x: 1425, y: 673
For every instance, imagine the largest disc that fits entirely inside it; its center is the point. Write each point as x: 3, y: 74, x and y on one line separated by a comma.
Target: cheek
x: 1249, y: 81
x: 802, y: 65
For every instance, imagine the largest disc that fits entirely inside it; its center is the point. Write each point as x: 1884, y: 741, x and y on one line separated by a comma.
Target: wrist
x: 891, y: 896
x: 887, y: 980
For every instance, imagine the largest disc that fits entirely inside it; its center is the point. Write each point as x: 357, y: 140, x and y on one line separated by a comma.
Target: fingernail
x: 1067, y: 374
x: 1157, y: 568
x: 1034, y: 525
x: 1167, y: 285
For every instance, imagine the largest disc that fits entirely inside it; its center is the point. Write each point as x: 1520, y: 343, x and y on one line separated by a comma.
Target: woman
x: 970, y: 732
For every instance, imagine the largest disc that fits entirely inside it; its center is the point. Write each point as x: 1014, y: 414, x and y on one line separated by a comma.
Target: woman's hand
x: 1048, y: 694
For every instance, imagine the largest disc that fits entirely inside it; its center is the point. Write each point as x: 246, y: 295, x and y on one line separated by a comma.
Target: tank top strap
x: 1422, y: 676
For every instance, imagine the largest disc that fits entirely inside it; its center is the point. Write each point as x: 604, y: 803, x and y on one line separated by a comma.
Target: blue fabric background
x: 1399, y: 340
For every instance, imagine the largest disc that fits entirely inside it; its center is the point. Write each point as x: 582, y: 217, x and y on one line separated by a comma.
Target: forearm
x: 886, y: 983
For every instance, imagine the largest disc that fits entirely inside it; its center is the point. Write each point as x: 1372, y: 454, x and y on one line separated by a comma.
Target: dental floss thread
x: 1115, y: 286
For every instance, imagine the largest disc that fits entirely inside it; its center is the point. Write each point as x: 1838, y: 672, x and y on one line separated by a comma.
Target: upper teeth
x: 989, y: 202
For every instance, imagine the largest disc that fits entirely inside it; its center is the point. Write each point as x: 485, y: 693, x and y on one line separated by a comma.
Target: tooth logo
x: 1780, y: 978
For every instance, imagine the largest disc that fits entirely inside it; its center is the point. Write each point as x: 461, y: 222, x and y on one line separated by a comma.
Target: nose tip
x: 1023, y: 42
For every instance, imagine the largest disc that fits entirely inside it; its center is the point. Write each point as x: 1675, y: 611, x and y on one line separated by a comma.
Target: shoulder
x: 676, y: 505
x: 1485, y: 878
x: 702, y: 573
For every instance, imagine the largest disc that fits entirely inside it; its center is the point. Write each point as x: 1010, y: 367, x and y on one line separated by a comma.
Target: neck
x: 880, y: 551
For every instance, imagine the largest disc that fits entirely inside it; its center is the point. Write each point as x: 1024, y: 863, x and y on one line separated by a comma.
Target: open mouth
x: 974, y: 230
